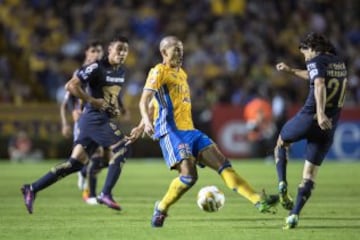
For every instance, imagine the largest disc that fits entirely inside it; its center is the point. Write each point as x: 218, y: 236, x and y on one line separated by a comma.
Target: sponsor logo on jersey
x: 115, y: 79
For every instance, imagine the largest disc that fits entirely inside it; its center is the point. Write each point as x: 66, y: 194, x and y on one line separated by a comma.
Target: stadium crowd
x: 231, y: 45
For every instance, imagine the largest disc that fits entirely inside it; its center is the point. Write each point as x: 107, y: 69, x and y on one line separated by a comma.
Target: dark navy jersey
x: 103, y: 81
x: 333, y: 70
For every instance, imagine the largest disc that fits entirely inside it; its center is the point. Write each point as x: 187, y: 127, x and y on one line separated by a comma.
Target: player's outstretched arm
x: 138, y: 131
x: 297, y: 72
x: 135, y: 133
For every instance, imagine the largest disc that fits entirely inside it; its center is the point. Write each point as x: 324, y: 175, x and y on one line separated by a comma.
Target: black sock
x: 281, y: 163
x: 94, y: 167
x: 56, y: 173
x: 304, y: 193
x: 114, y: 170
x: 83, y: 171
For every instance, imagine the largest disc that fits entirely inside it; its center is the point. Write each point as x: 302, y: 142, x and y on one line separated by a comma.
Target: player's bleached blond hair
x: 164, y: 43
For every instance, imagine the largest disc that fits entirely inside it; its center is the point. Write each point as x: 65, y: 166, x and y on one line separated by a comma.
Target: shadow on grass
x: 355, y: 218
x: 228, y: 219
x: 353, y: 226
x: 333, y: 222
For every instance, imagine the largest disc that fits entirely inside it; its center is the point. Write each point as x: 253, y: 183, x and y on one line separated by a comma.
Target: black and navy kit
x: 333, y: 70
x: 304, y: 124
x: 96, y: 126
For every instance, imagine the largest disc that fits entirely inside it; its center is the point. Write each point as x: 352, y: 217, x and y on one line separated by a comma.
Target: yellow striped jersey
x: 172, y: 93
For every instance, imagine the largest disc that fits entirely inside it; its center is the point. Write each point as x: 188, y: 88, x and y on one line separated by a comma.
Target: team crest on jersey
x: 91, y: 68
x: 313, y: 71
x: 84, y: 73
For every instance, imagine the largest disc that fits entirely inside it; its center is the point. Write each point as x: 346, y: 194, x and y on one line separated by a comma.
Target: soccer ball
x: 210, y: 199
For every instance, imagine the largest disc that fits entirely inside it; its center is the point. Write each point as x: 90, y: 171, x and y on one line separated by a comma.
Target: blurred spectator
x: 279, y: 109
x: 21, y: 149
x: 225, y: 41
x: 354, y: 87
x: 260, y: 125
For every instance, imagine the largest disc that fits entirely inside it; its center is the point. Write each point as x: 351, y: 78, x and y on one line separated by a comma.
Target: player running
x: 182, y: 145
x: 98, y: 124
x: 316, y: 121
x: 87, y: 176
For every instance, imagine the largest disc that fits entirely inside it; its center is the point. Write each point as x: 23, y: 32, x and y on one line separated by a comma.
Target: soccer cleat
x: 108, y: 201
x: 81, y: 181
x: 267, y: 203
x: 91, y: 201
x: 291, y: 221
x: 285, y: 199
x: 29, y: 197
x: 158, y: 217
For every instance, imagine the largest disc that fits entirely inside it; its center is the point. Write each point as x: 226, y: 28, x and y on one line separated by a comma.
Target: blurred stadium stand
x: 230, y: 47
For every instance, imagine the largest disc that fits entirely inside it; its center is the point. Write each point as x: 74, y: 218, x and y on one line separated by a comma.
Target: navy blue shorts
x: 95, y: 129
x: 305, y: 126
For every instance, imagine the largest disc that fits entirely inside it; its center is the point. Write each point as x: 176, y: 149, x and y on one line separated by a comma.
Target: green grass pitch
x: 333, y: 212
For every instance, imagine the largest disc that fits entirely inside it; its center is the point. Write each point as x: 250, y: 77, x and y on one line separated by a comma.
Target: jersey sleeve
x: 154, y: 79
x: 316, y: 69
x: 88, y: 72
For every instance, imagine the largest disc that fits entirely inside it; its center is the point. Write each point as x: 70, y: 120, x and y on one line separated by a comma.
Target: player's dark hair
x: 119, y: 38
x: 92, y: 43
x: 318, y: 43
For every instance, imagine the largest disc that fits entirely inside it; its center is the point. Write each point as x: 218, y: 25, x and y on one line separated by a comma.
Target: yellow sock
x: 174, y: 193
x: 240, y: 185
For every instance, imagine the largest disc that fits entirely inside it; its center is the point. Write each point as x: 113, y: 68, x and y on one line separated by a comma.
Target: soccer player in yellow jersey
x: 182, y: 145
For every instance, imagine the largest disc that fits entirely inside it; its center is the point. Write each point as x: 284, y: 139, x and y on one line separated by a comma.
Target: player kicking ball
x: 315, y: 122
x: 182, y: 145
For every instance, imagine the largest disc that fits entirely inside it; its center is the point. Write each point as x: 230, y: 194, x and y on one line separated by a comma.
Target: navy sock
x: 94, y: 167
x: 304, y: 193
x: 114, y: 170
x: 83, y: 171
x: 56, y: 173
x: 281, y: 163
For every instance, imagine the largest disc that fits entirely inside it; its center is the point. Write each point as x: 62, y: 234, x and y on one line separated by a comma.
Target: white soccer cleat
x: 291, y: 221
x: 92, y: 201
